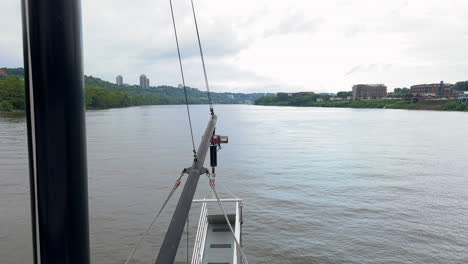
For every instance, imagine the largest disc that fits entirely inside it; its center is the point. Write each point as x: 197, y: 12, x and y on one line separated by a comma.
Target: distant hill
x: 176, y: 95
x: 168, y: 94
x: 101, y: 94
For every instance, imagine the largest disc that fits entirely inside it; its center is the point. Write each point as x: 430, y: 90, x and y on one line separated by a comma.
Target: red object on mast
x: 218, y: 140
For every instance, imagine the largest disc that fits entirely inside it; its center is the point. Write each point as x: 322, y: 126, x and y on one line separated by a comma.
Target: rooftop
x: 371, y: 84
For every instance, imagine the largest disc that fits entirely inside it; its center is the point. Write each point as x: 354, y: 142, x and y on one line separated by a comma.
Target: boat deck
x: 219, y: 243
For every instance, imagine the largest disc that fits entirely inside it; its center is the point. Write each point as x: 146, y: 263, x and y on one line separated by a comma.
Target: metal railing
x: 199, y: 245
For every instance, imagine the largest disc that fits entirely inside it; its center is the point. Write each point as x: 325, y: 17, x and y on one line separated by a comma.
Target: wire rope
x: 243, y: 257
x: 183, y: 79
x: 154, y: 219
x: 202, y: 59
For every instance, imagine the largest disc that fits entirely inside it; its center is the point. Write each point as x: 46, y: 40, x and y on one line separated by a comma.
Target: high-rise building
x: 119, y: 80
x: 147, y: 83
x: 369, y: 91
x: 143, y: 81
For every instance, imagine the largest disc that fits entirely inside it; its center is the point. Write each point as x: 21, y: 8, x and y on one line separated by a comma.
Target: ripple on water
x: 319, y: 185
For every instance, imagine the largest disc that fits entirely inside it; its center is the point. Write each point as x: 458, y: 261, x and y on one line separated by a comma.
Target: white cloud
x: 268, y: 45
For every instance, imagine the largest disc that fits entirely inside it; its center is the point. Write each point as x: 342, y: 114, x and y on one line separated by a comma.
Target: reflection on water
x: 320, y: 185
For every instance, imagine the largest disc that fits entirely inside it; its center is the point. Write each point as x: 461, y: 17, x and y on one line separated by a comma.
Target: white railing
x: 214, y: 200
x: 237, y: 231
x: 199, y: 245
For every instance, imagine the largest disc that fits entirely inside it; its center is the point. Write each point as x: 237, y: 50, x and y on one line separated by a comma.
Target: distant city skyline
x: 269, y: 46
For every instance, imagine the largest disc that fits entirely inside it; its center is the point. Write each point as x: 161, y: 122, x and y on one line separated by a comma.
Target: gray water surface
x: 320, y: 185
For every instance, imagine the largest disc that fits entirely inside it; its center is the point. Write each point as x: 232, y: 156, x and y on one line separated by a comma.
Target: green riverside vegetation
x: 100, y: 94
x: 310, y: 100
x: 12, y: 94
x: 12, y: 97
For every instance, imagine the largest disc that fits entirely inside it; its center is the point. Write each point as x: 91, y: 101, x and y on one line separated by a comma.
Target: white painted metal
x: 200, y: 239
x: 214, y: 200
x: 237, y: 232
x: 204, y: 233
x: 198, y: 247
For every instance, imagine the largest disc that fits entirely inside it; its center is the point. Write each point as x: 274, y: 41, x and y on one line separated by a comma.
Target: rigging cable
x: 183, y: 80
x: 177, y: 183
x: 243, y: 257
x: 202, y: 59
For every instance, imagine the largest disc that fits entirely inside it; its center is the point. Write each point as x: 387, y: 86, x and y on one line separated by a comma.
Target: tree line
x: 12, y: 94
x: 12, y: 97
x: 100, y: 94
x: 297, y: 99
x: 175, y: 95
x: 103, y: 94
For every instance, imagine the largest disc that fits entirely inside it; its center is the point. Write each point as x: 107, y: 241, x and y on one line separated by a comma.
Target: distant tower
x: 119, y: 80
x: 147, y: 83
x: 143, y: 81
x: 181, y: 86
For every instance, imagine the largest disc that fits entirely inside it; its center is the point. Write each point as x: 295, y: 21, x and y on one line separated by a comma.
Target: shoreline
x: 422, y: 104
x: 383, y: 108
x: 278, y: 105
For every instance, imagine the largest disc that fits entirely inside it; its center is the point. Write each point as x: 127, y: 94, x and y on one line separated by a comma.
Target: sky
x: 268, y: 45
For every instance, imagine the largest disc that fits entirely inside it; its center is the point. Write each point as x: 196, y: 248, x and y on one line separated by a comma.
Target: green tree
x: 461, y: 86
x: 12, y: 95
x: 401, y: 91
x: 282, y: 96
x: 344, y: 94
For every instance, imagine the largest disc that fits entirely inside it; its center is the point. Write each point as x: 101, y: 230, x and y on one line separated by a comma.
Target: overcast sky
x: 268, y: 45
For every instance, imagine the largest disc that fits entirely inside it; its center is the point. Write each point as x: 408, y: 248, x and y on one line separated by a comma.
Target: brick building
x: 369, y: 91
x: 433, y: 89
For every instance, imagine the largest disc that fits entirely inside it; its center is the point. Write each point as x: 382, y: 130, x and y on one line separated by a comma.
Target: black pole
x: 56, y: 130
x: 175, y: 231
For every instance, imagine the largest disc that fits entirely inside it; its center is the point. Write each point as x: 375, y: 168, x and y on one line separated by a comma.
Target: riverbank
x: 100, y: 94
x: 440, y: 105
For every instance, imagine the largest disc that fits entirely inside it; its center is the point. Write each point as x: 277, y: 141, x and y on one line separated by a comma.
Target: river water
x: 320, y: 185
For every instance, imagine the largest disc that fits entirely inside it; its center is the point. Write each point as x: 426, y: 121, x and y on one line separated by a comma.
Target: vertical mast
x: 52, y: 46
